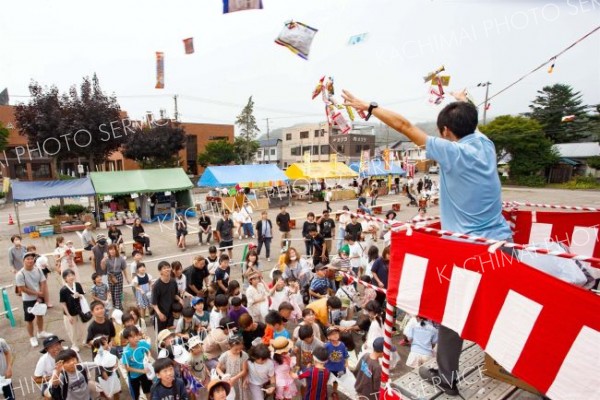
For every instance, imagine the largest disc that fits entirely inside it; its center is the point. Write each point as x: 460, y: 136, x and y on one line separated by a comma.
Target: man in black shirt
x: 283, y: 222
x: 205, y: 227
x: 320, y: 254
x: 354, y: 228
x: 100, y: 325
x: 224, y: 233
x: 164, y: 294
x: 326, y: 228
x: 199, y: 272
x: 264, y: 229
x: 250, y: 330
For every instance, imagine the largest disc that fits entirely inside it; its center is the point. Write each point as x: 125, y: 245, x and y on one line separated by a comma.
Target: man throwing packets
x: 470, y: 195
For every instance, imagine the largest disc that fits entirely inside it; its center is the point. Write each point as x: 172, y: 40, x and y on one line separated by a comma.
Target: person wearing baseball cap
x: 368, y: 375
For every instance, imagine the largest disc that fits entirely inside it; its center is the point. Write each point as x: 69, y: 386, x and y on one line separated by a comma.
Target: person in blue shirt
x: 337, y: 361
x: 470, y: 194
x: 133, y: 358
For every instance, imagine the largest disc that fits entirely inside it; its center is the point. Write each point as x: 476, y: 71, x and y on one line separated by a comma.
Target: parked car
x: 434, y: 169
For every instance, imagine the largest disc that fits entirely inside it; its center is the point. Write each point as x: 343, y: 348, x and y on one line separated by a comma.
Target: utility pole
x: 268, y: 144
x: 485, y: 103
x: 176, y: 110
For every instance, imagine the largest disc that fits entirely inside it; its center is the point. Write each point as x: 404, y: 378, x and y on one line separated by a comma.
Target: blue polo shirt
x: 470, y: 193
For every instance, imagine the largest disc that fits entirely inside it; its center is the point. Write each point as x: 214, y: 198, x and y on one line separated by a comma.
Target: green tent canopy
x: 140, y: 181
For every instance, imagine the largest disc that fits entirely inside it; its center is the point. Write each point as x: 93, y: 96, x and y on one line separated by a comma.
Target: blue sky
x: 57, y: 42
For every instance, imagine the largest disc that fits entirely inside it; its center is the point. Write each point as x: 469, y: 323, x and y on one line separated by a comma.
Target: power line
x: 542, y: 65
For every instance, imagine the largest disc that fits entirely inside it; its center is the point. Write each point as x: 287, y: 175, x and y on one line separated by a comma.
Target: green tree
x: 523, y: 138
x: 218, y: 152
x: 555, y: 102
x: 156, y: 145
x: 3, y: 137
x: 246, y: 144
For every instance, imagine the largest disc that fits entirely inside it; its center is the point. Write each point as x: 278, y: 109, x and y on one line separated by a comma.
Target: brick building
x: 20, y: 161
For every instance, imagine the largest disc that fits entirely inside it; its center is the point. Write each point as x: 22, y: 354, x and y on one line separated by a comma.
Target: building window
x: 358, y: 148
x: 322, y: 132
x: 315, y: 150
x: 273, y: 151
x: 305, y: 149
x: 325, y: 149
x: 41, y: 171
x: 304, y: 135
x: 288, y: 136
x: 217, y: 138
x: 259, y: 153
x: 317, y: 132
x: 119, y: 165
x: 341, y: 149
x: 21, y: 171
x: 295, y: 151
x: 285, y: 165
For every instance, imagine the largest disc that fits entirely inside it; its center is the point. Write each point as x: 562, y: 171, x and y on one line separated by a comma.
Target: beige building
x: 298, y: 139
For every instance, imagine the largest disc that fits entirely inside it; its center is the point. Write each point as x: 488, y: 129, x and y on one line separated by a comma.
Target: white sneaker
x: 240, y: 237
x: 268, y: 259
x: 44, y: 335
x: 33, y: 341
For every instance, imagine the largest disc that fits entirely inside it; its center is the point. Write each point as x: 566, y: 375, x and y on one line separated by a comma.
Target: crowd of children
x: 287, y: 332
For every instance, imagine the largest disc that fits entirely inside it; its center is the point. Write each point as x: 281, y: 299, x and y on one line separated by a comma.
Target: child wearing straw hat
x: 285, y: 388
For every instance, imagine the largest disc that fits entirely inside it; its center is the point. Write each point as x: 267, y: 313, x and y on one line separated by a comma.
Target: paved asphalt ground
x: 164, y: 247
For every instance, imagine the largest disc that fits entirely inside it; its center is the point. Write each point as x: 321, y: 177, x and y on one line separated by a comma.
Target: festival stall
x: 263, y: 185
x: 331, y: 174
x: 149, y: 193
x: 378, y: 170
x: 28, y: 192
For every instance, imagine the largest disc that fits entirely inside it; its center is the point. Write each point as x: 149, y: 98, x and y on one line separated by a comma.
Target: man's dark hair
x: 260, y: 352
x: 95, y: 304
x: 163, y: 264
x: 227, y: 323
x: 334, y: 303
x: 221, y: 300
x: 176, y: 307
x: 305, y: 332
x: 236, y: 302
x: 66, y: 355
x: 321, y: 353
x: 273, y: 318
x: 286, y: 305
x: 460, y: 117
x: 188, y: 312
x: 130, y: 331
x: 162, y: 363
x: 126, y: 318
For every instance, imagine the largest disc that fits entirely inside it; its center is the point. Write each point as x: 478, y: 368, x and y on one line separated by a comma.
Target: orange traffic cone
x: 10, y: 220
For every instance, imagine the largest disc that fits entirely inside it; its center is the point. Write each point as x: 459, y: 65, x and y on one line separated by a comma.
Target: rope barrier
x: 595, y: 262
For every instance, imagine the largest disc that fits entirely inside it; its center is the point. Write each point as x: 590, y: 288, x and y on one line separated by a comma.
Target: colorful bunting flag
x: 160, y: 70
x: 297, y: 37
x: 230, y: 6
x: 188, y: 45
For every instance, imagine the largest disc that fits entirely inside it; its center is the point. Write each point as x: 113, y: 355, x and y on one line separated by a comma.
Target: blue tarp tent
x: 40, y: 190
x: 245, y: 175
x: 377, y: 168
